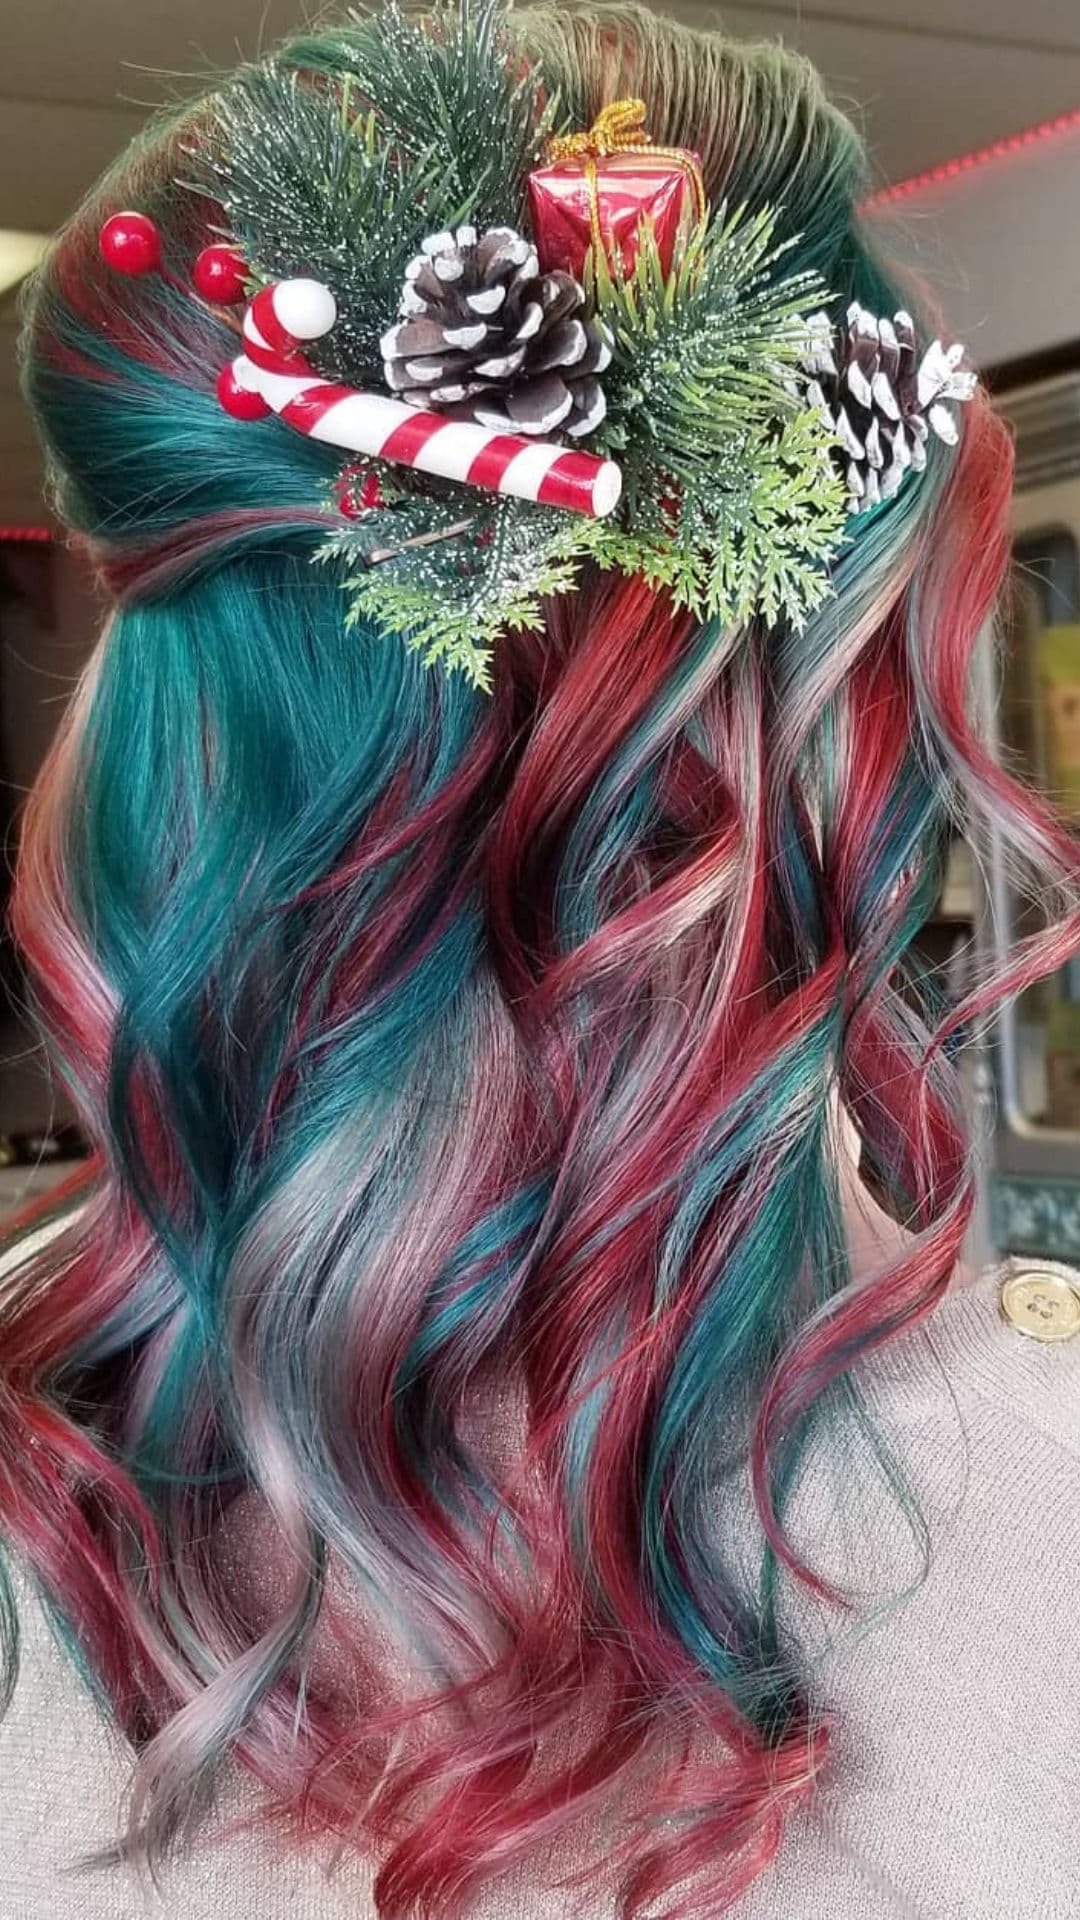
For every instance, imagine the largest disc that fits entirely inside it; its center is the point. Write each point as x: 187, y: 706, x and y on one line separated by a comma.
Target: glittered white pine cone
x: 484, y: 335
x: 881, y: 400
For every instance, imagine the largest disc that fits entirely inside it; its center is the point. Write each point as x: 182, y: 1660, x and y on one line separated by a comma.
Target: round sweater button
x: 1043, y: 1305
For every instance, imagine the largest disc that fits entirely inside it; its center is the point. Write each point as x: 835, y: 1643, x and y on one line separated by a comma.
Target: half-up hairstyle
x: 464, y: 1239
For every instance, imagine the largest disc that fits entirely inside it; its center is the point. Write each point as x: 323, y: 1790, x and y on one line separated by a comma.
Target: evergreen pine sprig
x: 731, y: 496
x: 451, y: 79
x: 703, y: 344
x: 310, y: 187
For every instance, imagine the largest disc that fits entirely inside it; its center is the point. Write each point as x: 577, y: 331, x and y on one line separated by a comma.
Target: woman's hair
x: 462, y: 1252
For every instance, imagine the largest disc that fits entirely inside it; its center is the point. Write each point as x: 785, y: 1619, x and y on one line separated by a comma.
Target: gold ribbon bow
x: 616, y: 127
x: 620, y: 128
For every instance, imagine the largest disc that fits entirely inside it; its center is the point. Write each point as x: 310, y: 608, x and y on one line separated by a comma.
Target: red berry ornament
x: 239, y: 401
x: 130, y: 243
x: 220, y: 275
x: 359, y: 493
x: 371, y: 494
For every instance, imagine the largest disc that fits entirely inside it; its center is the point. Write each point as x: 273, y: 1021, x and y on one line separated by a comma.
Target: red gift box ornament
x: 598, y: 189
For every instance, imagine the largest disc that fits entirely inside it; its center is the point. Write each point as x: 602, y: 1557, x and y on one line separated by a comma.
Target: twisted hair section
x: 464, y: 1244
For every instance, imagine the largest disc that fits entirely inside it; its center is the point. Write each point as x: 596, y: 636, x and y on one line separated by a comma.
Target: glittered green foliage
x: 451, y: 78
x: 310, y: 187
x: 731, y: 496
x: 451, y: 600
x: 705, y: 346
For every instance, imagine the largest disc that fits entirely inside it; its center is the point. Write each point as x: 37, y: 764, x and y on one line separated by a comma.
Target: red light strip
x: 25, y: 533
x: 968, y: 162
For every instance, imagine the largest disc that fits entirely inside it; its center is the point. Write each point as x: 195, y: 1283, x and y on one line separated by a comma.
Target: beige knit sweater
x: 954, y: 1793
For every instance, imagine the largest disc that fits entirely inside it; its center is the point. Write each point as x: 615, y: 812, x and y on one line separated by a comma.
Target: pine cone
x: 881, y: 401
x: 486, y: 336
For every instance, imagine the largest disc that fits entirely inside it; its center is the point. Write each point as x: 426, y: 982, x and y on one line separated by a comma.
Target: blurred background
x: 972, y: 112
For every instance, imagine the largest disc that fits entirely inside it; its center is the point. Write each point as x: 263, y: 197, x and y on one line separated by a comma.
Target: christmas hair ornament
x: 664, y: 353
x: 881, y: 399
x: 459, y: 312
x: 600, y: 187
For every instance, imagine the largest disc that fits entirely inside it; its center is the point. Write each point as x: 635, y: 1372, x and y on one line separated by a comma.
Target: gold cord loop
x: 616, y: 127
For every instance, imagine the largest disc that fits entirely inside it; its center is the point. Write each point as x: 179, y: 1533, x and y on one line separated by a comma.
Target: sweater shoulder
x: 1003, y: 1349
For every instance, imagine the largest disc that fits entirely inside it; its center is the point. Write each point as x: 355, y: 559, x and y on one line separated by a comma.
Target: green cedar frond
x: 451, y: 601
x: 757, y: 546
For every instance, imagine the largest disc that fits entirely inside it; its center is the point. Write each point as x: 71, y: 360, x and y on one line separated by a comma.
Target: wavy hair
x: 464, y: 1232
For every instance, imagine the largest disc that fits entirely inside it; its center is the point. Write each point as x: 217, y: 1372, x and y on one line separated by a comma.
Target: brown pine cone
x: 486, y: 336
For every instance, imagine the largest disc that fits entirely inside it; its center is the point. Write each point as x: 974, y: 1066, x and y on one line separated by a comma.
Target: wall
x: 45, y: 638
x: 1000, y: 246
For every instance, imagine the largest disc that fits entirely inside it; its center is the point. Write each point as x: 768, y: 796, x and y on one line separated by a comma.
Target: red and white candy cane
x: 271, y: 375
